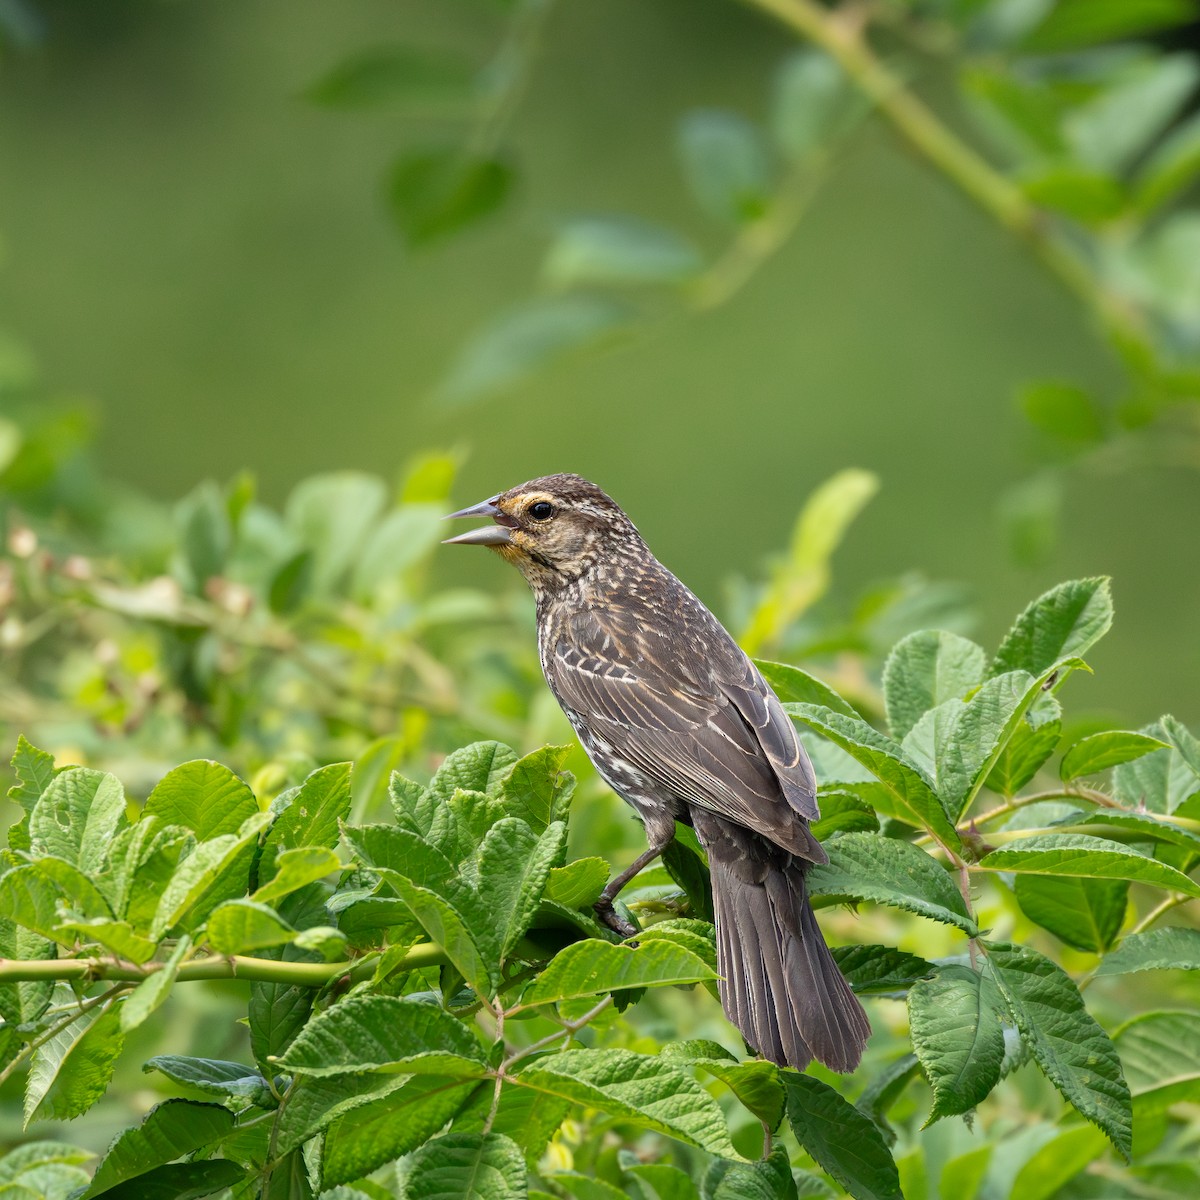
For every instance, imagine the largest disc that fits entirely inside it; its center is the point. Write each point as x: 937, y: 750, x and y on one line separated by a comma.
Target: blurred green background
x: 207, y: 256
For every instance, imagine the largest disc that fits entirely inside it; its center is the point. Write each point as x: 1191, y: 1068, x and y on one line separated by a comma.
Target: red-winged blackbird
x: 681, y: 724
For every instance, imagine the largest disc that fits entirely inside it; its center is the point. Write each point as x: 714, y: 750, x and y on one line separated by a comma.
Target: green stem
x: 1157, y: 911
x: 569, y: 1028
x: 839, y: 32
x: 78, y: 1010
x: 758, y: 240
x: 264, y: 970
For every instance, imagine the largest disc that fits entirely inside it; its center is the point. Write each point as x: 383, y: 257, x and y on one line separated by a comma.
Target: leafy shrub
x: 439, y: 992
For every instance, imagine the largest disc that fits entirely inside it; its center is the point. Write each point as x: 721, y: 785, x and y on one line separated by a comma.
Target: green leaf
x: 813, y: 102
x: 803, y: 575
x: 144, y: 861
x: 1092, y: 198
x: 70, y: 1072
x: 1033, y: 741
x: 1161, y: 1054
x: 1073, y: 24
x: 473, y: 813
x: 1030, y: 514
x: 955, y: 1023
x: 84, y: 897
x: 880, y: 968
x: 767, y: 1179
x: 30, y: 900
x: 394, y: 75
x: 727, y: 165
x: 529, y: 338
x: 843, y: 1142
x: 77, y: 816
x: 32, y: 1154
x: 1154, y: 950
x: 215, y: 870
x: 215, y: 1076
x: 1062, y: 623
x: 755, y: 1083
x: 686, y: 864
x: 1094, y: 858
x: 316, y: 1102
x: 370, y: 1135
x: 618, y: 250
x: 295, y: 869
x: 399, y: 545
x: 926, y: 669
x: 202, y: 796
x: 1058, y: 1162
x: 957, y: 744
x: 291, y: 583
x: 514, y: 865
x: 530, y: 1118
x: 1113, y: 128
x: 465, y: 1166
x: 646, y: 1090
x: 437, y: 192
x: 332, y: 515
x: 480, y: 767
x: 1065, y: 411
x: 537, y: 789
x: 459, y: 925
x: 866, y: 866
x: 154, y: 989
x: 313, y: 816
x: 34, y: 770
x: 578, y: 884
x: 584, y: 1187
x: 240, y: 926
x: 1021, y: 115
x: 884, y: 1089
x: 887, y: 762
x: 1129, y: 827
x: 1164, y: 779
x: 26, y: 1001
x: 167, y: 1132
x: 592, y: 967
x: 205, y: 535
x: 794, y: 686
x: 385, y: 1033
x: 1074, y: 1053
x: 843, y: 811
x: 392, y: 848
x: 1170, y: 167
x: 1103, y: 750
x: 1084, y: 913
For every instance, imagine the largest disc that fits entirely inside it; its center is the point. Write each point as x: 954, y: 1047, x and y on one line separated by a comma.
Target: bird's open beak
x: 488, y: 535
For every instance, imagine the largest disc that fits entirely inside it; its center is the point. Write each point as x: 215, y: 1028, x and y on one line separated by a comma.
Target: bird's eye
x: 543, y: 510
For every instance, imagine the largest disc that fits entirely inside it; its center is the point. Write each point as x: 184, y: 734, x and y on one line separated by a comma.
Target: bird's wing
x: 697, y: 718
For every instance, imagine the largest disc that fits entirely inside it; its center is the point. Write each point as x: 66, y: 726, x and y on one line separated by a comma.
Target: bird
x: 681, y: 724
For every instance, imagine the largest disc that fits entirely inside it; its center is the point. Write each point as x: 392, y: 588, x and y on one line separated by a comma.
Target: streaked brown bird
x: 680, y: 724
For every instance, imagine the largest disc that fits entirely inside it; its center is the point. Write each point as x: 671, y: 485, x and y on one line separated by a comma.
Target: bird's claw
x: 608, y: 915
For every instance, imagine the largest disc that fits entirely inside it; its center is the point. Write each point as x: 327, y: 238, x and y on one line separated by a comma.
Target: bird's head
x: 553, y: 529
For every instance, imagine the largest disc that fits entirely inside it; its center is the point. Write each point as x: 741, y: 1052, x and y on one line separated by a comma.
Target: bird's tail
x: 780, y: 985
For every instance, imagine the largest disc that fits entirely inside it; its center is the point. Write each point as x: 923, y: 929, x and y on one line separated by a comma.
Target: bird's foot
x: 607, y: 914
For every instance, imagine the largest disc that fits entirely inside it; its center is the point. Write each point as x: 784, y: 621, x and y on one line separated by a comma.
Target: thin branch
x: 568, y: 1028
x: 839, y: 32
x: 1157, y: 911
x: 78, y: 1010
x: 264, y: 970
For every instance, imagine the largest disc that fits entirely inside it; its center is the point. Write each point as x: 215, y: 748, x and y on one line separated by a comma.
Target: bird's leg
x: 604, y: 905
